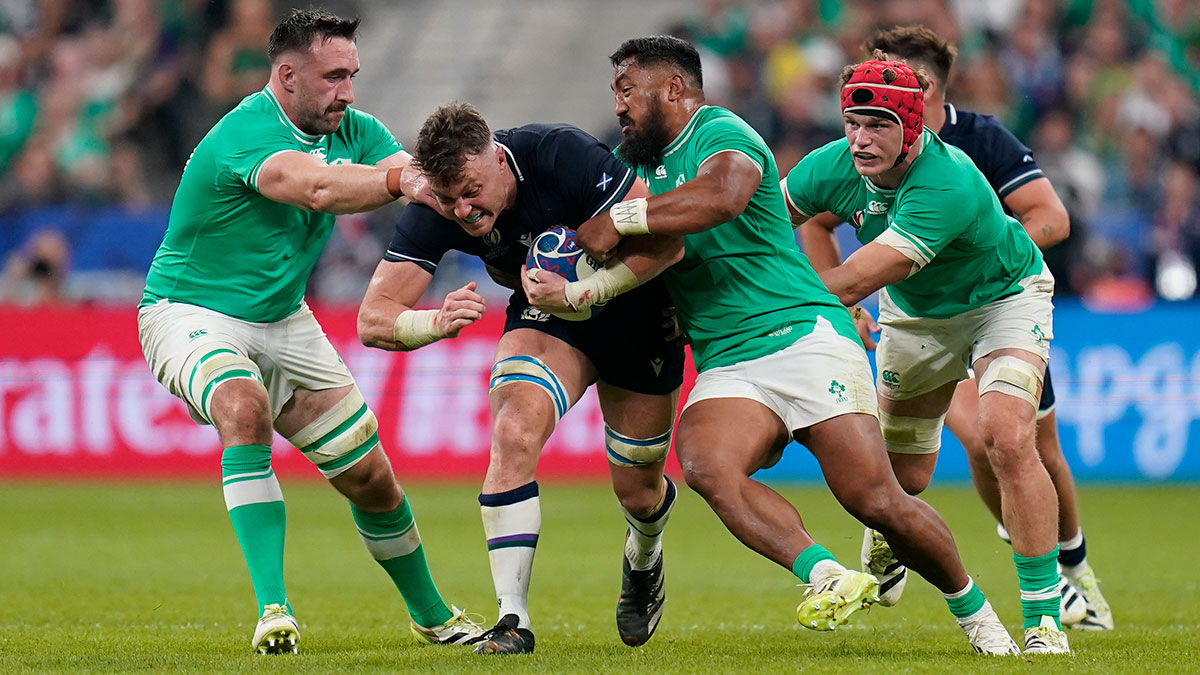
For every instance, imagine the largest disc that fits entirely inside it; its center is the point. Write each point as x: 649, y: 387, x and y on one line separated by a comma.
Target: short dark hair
x: 919, y: 46
x: 296, y: 33
x: 448, y: 137
x: 660, y: 49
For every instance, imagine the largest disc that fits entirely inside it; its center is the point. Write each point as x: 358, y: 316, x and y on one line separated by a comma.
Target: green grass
x: 148, y: 577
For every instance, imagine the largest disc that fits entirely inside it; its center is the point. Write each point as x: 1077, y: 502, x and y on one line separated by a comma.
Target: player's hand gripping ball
x: 555, y: 251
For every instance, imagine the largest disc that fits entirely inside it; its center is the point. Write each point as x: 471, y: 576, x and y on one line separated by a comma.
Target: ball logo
x: 555, y: 251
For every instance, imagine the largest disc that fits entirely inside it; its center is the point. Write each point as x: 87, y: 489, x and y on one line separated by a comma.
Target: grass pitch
x: 148, y: 577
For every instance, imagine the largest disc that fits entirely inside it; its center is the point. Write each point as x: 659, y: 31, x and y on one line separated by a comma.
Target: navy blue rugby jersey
x: 1006, y: 162
x: 564, y: 177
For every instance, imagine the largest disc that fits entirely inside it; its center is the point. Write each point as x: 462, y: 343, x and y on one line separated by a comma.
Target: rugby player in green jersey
x: 224, y: 326
x: 777, y: 354
x: 1013, y: 173
x: 965, y: 286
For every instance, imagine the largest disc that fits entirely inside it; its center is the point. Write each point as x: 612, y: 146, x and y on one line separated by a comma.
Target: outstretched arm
x: 302, y: 180
x: 386, y: 319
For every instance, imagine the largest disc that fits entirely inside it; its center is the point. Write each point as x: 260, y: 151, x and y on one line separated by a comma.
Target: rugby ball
x: 555, y: 251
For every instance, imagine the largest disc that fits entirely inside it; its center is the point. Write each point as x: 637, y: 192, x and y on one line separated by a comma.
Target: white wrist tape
x: 605, y: 284
x: 629, y: 217
x: 416, y: 328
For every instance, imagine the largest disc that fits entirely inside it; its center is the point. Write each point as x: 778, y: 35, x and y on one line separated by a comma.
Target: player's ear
x: 287, y: 76
x: 675, y: 87
x: 501, y: 159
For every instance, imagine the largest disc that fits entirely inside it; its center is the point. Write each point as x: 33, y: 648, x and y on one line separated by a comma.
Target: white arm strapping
x: 605, y: 284
x: 629, y: 217
x: 416, y: 328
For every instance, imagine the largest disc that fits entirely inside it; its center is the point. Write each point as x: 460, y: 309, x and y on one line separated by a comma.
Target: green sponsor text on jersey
x: 232, y: 250
x: 743, y: 289
x: 943, y: 209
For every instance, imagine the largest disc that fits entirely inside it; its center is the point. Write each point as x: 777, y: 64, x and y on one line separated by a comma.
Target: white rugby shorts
x: 819, y: 376
x: 917, y: 355
x: 290, y: 354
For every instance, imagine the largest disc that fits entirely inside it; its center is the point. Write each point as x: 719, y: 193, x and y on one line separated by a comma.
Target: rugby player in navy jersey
x: 503, y: 189
x: 1025, y: 192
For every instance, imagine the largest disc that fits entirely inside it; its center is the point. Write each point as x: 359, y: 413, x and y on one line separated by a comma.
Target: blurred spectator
x: 1078, y: 178
x: 1177, y: 233
x: 18, y: 105
x: 236, y: 64
x: 34, y: 274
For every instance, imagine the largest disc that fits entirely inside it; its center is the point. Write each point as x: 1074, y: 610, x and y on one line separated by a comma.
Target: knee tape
x: 529, y: 369
x: 626, y: 451
x: 210, y: 368
x: 1012, y: 376
x: 911, y: 435
x: 340, y: 437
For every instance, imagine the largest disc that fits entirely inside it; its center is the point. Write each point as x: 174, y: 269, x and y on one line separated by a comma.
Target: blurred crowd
x: 1103, y: 91
x: 102, y: 101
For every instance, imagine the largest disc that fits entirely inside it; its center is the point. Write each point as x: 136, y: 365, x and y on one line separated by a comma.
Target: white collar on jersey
x: 512, y: 161
x: 683, y: 134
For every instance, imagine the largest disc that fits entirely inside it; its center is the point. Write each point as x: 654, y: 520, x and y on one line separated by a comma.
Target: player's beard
x: 643, y: 147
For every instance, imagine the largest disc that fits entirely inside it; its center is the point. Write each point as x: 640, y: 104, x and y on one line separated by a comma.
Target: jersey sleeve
x: 927, y: 219
x: 1007, y: 162
x: 587, y: 174
x: 247, y: 143
x: 802, y: 186
x: 422, y: 237
x: 372, y: 139
x: 729, y: 134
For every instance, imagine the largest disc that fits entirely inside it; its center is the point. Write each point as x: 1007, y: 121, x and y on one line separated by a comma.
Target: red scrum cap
x: 889, y: 89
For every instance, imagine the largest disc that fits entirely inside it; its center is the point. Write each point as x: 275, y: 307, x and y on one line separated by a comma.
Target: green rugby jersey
x: 743, y: 289
x: 232, y: 250
x: 944, y: 212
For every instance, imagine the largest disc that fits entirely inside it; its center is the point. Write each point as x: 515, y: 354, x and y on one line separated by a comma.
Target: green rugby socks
x: 810, y: 560
x: 255, y: 505
x: 393, y: 540
x: 1038, y: 580
x: 966, y: 602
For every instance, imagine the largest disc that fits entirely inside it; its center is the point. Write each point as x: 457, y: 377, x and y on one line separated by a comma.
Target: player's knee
x: 531, y: 370
x: 913, y: 480
x: 629, y: 451
x: 341, y: 437
x: 873, y: 507
x: 1011, y: 453
x: 905, y: 435
x: 638, y: 499
x: 515, y: 434
x: 242, y: 417
x: 700, y: 476
x: 1006, y: 436
x: 370, y: 485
